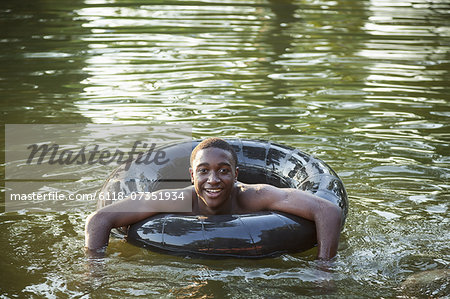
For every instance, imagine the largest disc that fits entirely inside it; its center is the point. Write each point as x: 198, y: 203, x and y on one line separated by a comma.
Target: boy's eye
x: 224, y: 170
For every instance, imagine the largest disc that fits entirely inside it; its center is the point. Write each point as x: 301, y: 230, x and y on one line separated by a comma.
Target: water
x: 363, y: 85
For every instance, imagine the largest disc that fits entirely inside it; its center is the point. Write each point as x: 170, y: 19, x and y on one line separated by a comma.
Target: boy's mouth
x: 213, y: 192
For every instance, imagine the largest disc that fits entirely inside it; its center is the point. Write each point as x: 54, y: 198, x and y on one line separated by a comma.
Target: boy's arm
x: 123, y: 213
x: 326, y: 215
x: 99, y: 223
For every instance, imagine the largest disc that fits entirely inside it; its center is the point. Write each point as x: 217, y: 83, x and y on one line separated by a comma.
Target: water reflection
x: 361, y: 84
x: 41, y: 63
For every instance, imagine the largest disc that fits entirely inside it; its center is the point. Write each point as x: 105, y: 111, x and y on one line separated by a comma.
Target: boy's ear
x: 191, y: 172
x: 236, y: 174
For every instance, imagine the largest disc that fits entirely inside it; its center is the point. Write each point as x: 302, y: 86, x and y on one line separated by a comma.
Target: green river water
x: 363, y: 85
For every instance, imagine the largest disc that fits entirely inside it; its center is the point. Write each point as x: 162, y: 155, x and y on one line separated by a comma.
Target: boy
x: 215, y: 190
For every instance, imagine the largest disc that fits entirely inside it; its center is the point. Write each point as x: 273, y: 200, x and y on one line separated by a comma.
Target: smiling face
x: 213, y: 173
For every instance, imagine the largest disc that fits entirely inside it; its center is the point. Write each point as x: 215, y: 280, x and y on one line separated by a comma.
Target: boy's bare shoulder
x: 254, y: 190
x: 255, y: 197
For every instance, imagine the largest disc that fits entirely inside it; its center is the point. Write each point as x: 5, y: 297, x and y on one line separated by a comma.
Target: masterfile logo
x: 44, y: 162
x: 53, y: 154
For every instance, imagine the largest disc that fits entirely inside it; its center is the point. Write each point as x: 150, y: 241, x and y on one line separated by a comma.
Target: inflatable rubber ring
x: 257, y: 235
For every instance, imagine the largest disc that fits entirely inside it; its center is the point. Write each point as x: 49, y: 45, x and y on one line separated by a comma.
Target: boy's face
x: 213, y: 173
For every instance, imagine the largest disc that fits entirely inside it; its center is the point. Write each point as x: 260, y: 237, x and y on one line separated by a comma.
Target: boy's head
x: 214, y: 172
x: 214, y: 142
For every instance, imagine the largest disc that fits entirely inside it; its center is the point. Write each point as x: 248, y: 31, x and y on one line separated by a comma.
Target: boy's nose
x: 213, y: 178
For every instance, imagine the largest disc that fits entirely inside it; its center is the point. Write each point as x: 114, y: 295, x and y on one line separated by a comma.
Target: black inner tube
x: 254, y: 235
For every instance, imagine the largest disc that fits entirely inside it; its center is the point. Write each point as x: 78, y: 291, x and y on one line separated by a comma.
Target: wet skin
x: 214, y: 175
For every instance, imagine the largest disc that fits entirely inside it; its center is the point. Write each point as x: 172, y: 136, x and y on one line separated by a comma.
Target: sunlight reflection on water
x: 364, y: 85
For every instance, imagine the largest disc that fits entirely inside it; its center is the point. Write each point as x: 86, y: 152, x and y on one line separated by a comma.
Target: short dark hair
x: 216, y: 143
